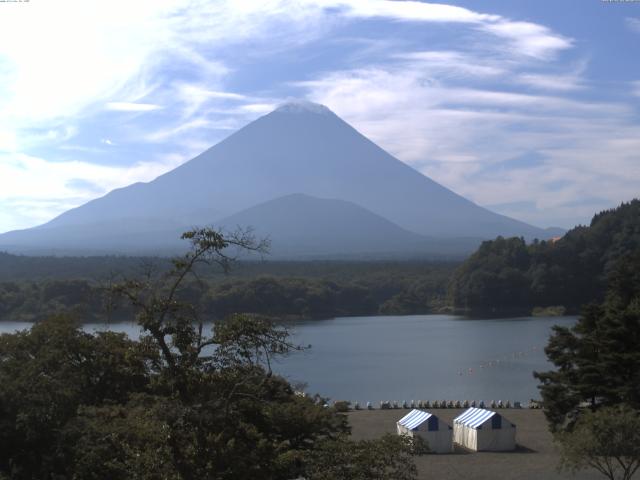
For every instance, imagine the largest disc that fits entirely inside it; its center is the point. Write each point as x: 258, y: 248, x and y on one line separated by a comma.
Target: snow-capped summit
x: 303, y: 106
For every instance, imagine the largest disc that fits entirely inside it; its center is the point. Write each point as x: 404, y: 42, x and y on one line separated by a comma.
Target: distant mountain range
x: 300, y: 175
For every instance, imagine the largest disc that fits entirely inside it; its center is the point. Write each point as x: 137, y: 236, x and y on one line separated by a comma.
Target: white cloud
x: 259, y: 108
x: 529, y: 38
x: 59, y: 60
x: 8, y: 141
x: 525, y: 38
x: 56, y: 64
x: 413, y: 11
x: 131, y: 107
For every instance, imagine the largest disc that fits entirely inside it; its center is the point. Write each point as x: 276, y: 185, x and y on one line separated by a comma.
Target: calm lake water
x: 420, y: 357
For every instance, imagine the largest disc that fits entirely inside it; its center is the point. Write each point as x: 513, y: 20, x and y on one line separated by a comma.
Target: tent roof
x: 414, y: 418
x: 474, y: 417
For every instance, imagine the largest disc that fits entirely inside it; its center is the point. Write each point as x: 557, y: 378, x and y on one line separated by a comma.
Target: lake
x: 415, y: 357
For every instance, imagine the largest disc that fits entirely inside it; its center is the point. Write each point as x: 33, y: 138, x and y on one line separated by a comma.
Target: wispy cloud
x: 525, y: 38
x: 454, y: 63
x: 193, y: 97
x: 131, y: 107
x: 412, y: 11
x: 260, y: 108
x: 100, y: 56
x: 119, y: 54
x: 529, y: 38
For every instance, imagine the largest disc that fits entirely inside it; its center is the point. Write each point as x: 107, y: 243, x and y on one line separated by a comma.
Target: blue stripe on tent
x: 408, y: 415
x: 417, y: 419
x: 481, y: 418
x: 474, y: 417
x: 414, y: 419
x: 466, y: 414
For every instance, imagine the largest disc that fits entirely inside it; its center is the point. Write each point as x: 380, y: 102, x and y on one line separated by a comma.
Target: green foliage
x: 121, y: 441
x: 597, y: 361
x: 389, y: 458
x: 607, y: 440
x: 290, y: 297
x: 21, y: 268
x: 494, y: 275
x: 46, y: 374
x: 31, y: 301
x: 509, y: 275
x: 259, y: 430
x: 181, y: 403
x: 316, y: 291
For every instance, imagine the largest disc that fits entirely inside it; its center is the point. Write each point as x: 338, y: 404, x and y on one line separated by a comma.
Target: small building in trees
x: 484, y: 430
x: 430, y: 428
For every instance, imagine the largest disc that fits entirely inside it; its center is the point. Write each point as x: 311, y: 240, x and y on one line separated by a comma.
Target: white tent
x: 479, y: 429
x: 429, y: 427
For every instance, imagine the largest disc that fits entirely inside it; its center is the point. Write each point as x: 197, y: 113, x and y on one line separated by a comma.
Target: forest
x: 508, y: 275
x: 79, y: 287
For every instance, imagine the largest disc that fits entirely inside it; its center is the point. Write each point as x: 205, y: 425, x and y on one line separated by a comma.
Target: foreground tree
x: 592, y: 399
x: 180, y: 403
x: 169, y: 320
x: 597, y: 361
x: 46, y: 375
x: 607, y: 440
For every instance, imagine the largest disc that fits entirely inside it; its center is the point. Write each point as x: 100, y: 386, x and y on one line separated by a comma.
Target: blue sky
x: 529, y: 108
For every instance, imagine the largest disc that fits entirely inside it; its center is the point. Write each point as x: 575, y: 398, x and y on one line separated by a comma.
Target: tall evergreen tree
x: 597, y: 360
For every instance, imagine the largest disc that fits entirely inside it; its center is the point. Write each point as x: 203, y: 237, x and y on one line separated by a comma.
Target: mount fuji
x: 345, y: 191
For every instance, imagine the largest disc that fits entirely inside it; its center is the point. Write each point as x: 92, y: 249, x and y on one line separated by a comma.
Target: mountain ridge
x: 300, y: 225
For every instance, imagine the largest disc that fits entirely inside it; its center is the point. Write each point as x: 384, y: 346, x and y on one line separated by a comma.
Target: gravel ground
x: 536, y: 457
